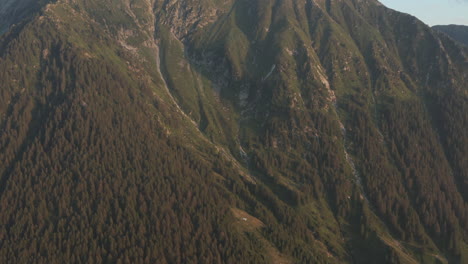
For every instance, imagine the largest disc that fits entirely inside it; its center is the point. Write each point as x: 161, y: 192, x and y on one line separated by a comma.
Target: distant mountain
x: 457, y: 32
x: 14, y: 11
x: 230, y: 131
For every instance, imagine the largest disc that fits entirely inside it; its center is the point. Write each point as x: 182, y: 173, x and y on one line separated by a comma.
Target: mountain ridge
x: 457, y: 32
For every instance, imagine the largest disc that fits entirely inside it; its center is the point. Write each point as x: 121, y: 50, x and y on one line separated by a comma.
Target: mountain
x: 230, y: 131
x: 14, y: 11
x: 457, y: 32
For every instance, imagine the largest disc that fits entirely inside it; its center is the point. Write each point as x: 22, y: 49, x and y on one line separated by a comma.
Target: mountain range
x: 230, y: 131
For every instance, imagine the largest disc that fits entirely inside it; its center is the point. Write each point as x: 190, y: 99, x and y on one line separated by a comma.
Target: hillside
x: 457, y: 32
x: 236, y: 131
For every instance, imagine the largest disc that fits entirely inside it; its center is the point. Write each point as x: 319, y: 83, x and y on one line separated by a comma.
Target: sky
x: 433, y: 12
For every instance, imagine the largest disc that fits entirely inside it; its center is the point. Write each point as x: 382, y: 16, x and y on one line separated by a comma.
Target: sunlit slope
x: 231, y: 131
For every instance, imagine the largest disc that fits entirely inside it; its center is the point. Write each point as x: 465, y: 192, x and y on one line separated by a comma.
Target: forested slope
x: 237, y: 131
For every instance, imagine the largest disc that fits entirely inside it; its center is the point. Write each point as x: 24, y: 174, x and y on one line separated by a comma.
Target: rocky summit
x: 230, y: 131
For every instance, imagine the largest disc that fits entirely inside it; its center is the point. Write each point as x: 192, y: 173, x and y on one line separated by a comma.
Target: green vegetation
x: 207, y: 131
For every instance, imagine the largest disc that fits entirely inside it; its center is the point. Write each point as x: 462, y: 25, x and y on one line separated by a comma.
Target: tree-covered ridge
x: 457, y: 32
x: 146, y: 131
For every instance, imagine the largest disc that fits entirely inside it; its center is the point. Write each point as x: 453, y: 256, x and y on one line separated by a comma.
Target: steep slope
x: 457, y: 32
x: 232, y: 131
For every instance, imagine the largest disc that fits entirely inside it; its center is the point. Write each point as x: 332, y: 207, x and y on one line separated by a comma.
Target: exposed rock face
x: 186, y: 17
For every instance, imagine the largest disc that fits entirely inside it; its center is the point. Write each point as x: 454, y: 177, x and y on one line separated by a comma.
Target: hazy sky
x: 433, y: 12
